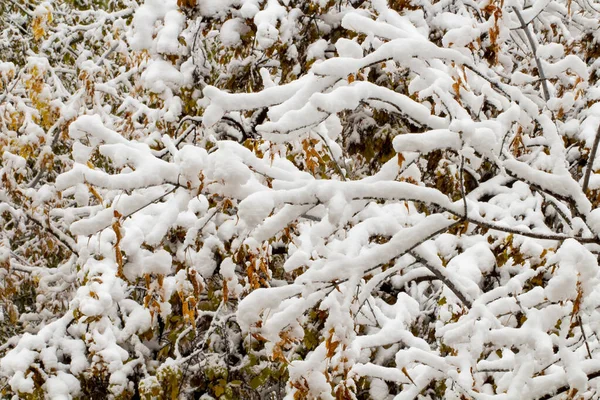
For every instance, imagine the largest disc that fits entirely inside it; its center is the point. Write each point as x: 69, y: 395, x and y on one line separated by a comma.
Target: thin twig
x: 62, y: 238
x: 107, y: 53
x: 535, y: 235
x: 238, y: 126
x: 590, y: 162
x: 168, y: 192
x: 462, y: 185
x: 10, y: 89
x: 543, y: 79
x: 556, y: 207
x: 587, y: 346
x: 464, y: 298
x: 337, y: 166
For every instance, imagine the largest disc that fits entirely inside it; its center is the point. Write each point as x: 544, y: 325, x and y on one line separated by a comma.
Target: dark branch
x: 590, y: 162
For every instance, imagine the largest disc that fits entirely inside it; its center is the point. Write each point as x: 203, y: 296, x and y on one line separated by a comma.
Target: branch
x: 587, y: 346
x: 231, y: 121
x: 562, y: 389
x: 464, y: 298
x: 556, y: 207
x: 10, y: 89
x: 337, y: 166
x: 534, y: 51
x: 590, y: 162
x: 479, y: 222
x: 493, y: 83
x: 548, y: 191
x: 534, y: 235
x: 42, y: 170
x: 62, y: 238
x: 141, y: 207
x: 162, y: 153
x: 462, y: 184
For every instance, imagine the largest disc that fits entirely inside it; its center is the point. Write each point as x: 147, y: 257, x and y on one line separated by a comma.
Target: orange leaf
x: 331, y: 345
x: 401, y: 159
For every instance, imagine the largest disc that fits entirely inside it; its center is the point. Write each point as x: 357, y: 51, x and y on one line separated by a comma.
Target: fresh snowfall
x: 300, y: 199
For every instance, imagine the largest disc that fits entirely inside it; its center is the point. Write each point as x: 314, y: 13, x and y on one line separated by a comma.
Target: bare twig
x: 107, y: 53
x: 10, y: 89
x: 464, y: 298
x: 556, y: 207
x: 590, y: 162
x: 543, y: 79
x: 587, y: 346
x: 462, y: 184
x: 337, y: 166
x: 236, y: 124
x: 59, y: 235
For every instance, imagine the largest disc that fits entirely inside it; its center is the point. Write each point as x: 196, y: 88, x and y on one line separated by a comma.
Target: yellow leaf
x: 219, y: 390
x: 95, y: 194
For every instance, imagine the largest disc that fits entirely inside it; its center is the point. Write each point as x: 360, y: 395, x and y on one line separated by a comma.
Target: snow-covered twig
x: 543, y: 79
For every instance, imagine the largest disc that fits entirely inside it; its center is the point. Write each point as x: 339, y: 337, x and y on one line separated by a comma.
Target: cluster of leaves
x: 312, y: 199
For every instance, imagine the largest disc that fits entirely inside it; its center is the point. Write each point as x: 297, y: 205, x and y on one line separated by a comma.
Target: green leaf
x: 260, y: 379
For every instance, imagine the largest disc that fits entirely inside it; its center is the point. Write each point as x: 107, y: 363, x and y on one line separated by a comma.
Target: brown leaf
x: 331, y: 345
x: 186, y: 3
x: 405, y: 372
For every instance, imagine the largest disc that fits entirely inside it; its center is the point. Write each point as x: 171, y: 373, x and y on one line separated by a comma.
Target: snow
x: 576, y: 266
x: 157, y: 263
x: 570, y: 62
x: 231, y: 32
x: 180, y: 248
x: 317, y: 50
x: 62, y: 386
x: 21, y: 383
x: 470, y: 265
x: 249, y: 9
x: 348, y: 48
x: 145, y: 17
x: 593, y: 220
x: 428, y: 141
x: 161, y: 75
x: 255, y: 208
x: 214, y: 7
x: 167, y: 41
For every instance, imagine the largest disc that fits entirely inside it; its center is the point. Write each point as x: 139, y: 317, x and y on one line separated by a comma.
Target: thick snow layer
x: 144, y: 19
x: 161, y: 75
x: 167, y: 41
x: 576, y: 266
x: 232, y: 31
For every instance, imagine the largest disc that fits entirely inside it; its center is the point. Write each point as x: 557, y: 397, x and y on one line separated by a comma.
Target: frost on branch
x: 299, y: 199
